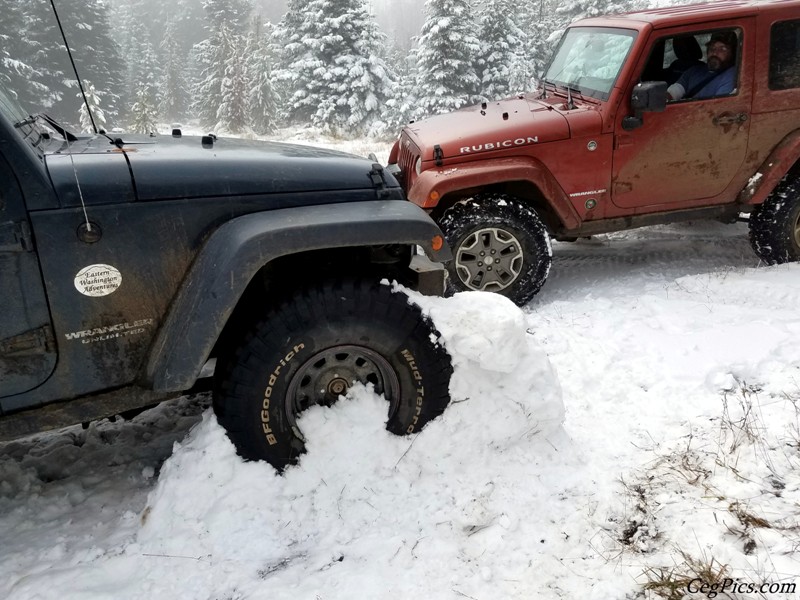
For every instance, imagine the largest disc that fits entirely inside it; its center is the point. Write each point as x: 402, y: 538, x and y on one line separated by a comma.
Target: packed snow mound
x: 358, y: 481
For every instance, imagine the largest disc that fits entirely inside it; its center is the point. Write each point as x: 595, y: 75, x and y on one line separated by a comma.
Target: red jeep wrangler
x: 652, y: 117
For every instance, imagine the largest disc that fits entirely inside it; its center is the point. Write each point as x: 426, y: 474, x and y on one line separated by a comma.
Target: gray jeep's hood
x: 160, y: 168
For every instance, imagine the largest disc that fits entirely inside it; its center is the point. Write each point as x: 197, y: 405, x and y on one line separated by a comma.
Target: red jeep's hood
x: 491, y: 126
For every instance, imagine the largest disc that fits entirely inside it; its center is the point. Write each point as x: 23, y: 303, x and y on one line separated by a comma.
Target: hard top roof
x: 696, y: 13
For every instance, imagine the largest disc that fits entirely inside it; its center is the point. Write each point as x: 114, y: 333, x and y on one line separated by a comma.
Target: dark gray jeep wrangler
x: 132, y: 265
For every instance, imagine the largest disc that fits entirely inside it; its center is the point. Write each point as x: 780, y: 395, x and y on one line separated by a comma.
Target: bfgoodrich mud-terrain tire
x: 499, y: 245
x: 311, y: 350
x: 775, y: 224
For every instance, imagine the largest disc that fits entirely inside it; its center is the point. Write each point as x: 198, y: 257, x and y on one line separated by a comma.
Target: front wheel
x: 775, y: 224
x: 499, y: 245
x: 312, y: 349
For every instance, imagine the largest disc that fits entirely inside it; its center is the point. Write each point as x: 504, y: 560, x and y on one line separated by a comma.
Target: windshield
x: 588, y: 60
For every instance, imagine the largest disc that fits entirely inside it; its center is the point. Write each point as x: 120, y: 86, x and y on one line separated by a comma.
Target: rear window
x: 784, y: 55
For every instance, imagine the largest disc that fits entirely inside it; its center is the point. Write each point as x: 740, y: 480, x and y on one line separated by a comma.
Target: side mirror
x: 647, y: 96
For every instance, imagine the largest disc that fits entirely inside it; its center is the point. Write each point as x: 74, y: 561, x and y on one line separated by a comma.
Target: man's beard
x: 714, y: 64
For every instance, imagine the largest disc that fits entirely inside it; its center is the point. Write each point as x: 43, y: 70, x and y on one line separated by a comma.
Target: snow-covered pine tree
x: 173, y: 88
x: 289, y: 50
x: 212, y: 55
x: 578, y: 9
x: 143, y: 111
x: 503, y: 44
x: 143, y: 114
x: 38, y: 45
x: 97, y: 55
x: 446, y: 54
x: 233, y: 14
x: 344, y: 83
x: 97, y: 112
x: 262, y: 97
x: 233, y: 114
x: 540, y: 23
x: 15, y: 54
x: 401, y: 107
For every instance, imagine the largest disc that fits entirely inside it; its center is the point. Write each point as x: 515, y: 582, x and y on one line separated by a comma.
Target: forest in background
x: 327, y: 64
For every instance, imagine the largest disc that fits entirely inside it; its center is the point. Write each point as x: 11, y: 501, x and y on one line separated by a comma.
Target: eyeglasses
x: 718, y: 48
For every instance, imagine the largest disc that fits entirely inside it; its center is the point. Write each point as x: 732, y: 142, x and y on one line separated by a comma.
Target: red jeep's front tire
x: 775, y: 224
x: 499, y: 245
x: 311, y: 349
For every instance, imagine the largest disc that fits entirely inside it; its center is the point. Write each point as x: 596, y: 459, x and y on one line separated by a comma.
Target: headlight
x: 418, y: 165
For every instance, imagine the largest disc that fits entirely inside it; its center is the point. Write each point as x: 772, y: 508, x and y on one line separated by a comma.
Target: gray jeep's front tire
x: 499, y: 245
x: 775, y: 224
x: 312, y: 348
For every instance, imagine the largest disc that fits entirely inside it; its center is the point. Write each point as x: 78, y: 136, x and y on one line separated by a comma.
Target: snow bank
x: 357, y: 481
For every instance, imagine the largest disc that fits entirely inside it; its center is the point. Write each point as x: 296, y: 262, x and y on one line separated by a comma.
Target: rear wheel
x: 499, y: 245
x: 775, y: 224
x: 312, y: 349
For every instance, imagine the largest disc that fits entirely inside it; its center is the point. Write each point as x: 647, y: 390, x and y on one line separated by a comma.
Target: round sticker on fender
x: 98, y: 280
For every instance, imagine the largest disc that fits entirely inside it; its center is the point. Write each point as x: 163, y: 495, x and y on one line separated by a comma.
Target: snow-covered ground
x: 673, y: 355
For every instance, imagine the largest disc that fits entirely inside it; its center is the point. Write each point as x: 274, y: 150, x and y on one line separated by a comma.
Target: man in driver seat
x: 717, y: 77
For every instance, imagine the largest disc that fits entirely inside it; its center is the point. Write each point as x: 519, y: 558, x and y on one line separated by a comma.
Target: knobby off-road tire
x: 312, y: 348
x: 775, y: 224
x: 499, y: 245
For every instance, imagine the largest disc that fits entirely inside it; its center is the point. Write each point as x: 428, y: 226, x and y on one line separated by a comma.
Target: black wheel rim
x: 489, y: 259
x: 329, y: 374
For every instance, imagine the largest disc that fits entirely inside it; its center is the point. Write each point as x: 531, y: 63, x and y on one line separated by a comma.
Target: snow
x: 640, y: 414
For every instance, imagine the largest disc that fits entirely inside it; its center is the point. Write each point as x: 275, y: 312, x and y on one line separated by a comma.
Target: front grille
x: 406, y: 158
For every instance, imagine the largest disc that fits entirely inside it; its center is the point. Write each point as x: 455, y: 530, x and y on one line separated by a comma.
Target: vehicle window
x: 696, y: 65
x: 589, y: 59
x: 784, y: 56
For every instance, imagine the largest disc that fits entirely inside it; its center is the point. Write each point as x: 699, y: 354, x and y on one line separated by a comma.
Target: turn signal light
x: 437, y: 242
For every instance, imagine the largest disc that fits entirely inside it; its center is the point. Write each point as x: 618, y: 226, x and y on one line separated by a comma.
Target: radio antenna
x: 74, y: 68
x: 88, y: 110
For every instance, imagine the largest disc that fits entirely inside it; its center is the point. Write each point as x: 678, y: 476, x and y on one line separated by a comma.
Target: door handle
x: 729, y: 119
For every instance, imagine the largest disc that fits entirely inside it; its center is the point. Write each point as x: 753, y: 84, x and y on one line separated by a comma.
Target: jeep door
x: 27, y: 348
x: 690, y: 154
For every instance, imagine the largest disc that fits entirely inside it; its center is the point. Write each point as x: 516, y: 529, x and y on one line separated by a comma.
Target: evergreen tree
x: 173, y: 88
x: 233, y: 14
x: 213, y: 55
x: 143, y: 112
x: 15, y: 54
x: 291, y: 51
x: 38, y: 45
x: 401, y: 107
x: 503, y: 43
x: 262, y: 97
x: 233, y: 113
x: 447, y: 51
x: 543, y: 28
x: 578, y: 9
x: 97, y: 113
x: 342, y: 83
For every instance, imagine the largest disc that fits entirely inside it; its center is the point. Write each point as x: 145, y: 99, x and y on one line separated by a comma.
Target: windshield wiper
x: 31, y: 119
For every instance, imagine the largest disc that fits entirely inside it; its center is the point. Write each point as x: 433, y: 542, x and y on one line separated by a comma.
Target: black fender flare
x: 238, y: 249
